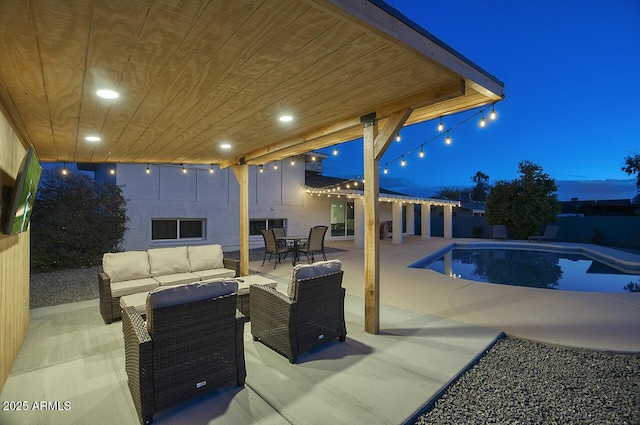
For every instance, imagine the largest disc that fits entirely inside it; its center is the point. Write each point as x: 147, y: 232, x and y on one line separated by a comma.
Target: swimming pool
x: 536, y: 266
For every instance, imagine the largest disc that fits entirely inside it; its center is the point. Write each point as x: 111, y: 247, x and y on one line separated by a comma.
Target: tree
x: 451, y: 193
x: 75, y: 221
x: 525, y: 204
x: 482, y: 187
x: 632, y: 166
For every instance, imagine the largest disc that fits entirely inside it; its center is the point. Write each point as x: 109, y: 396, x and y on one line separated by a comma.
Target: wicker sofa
x: 132, y: 272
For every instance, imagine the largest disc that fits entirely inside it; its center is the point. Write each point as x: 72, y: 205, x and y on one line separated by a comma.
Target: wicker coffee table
x: 243, y: 290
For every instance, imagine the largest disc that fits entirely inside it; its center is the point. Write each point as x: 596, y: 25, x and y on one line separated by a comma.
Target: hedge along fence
x: 609, y: 231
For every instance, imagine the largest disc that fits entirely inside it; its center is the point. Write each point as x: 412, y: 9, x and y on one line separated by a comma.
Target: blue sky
x: 571, y: 106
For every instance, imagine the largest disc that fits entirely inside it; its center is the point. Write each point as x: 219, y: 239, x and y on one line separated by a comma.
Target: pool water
x: 535, y: 269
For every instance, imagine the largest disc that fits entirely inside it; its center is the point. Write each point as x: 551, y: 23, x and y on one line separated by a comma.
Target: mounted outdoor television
x: 15, y: 218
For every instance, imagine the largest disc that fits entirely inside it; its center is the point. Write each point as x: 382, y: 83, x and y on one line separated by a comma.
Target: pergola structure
x: 206, y: 82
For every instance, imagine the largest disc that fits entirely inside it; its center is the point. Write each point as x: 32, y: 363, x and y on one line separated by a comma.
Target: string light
x: 112, y: 171
x: 64, y: 169
x: 211, y: 169
x: 261, y: 168
x: 184, y: 170
x: 293, y: 161
x: 148, y: 170
x: 386, y: 170
x: 493, y: 114
x: 447, y: 132
x: 335, y: 151
x: 275, y: 165
x: 398, y: 138
x: 313, y: 156
x: 403, y: 162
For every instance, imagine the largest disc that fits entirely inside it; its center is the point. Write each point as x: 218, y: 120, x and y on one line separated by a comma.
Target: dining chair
x: 315, y: 243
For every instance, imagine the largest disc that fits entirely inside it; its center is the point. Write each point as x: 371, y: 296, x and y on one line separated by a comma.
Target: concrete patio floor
x: 432, y: 329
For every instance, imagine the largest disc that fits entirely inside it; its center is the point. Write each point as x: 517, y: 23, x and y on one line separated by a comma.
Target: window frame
x: 178, y: 238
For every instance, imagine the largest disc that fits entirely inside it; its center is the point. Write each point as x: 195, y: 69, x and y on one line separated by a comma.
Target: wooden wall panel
x: 14, y: 264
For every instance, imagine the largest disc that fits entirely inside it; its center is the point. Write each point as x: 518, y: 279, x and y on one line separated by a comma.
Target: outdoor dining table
x: 296, y: 245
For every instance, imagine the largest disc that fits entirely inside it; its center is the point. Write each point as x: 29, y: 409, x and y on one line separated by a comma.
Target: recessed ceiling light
x: 107, y: 94
x: 225, y: 146
x: 92, y: 139
x: 286, y: 118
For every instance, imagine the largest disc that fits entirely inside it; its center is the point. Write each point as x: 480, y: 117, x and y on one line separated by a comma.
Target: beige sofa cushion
x: 181, y: 294
x: 138, y: 301
x: 213, y: 273
x: 305, y: 271
x: 128, y: 287
x: 164, y: 261
x: 205, y: 257
x: 177, y: 279
x: 124, y: 266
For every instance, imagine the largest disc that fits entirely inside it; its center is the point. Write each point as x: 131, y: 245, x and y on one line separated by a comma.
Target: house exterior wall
x: 167, y: 192
x: 14, y: 263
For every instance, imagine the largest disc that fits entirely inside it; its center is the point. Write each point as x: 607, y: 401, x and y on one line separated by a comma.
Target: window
x: 177, y: 228
x: 265, y: 223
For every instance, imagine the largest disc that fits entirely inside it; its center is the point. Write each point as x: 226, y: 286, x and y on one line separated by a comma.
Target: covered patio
x: 231, y: 83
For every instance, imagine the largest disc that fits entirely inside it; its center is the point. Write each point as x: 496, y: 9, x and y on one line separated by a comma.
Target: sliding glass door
x: 341, y: 218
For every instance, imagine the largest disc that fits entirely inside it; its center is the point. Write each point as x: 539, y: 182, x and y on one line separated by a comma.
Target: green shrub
x: 75, y: 221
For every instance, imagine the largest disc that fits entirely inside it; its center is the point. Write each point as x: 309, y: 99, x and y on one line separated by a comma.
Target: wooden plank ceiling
x: 194, y: 74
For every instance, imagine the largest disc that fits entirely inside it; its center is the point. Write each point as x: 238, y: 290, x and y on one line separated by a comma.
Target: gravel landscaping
x: 515, y: 382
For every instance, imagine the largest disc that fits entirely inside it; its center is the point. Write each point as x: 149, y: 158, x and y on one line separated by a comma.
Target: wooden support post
x: 242, y: 175
x: 371, y: 231
x: 374, y: 147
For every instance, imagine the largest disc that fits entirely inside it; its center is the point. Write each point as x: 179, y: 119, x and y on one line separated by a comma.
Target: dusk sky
x: 570, y: 71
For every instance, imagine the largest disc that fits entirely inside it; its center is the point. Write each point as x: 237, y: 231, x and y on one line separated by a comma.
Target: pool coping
x: 620, y: 260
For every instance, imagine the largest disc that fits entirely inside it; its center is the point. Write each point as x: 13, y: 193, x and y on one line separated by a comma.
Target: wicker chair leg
x: 292, y: 359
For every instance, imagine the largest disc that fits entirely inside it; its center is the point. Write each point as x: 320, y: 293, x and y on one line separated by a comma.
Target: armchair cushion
x: 305, y: 271
x: 205, y: 257
x: 123, y: 266
x: 165, y: 261
x: 191, y: 292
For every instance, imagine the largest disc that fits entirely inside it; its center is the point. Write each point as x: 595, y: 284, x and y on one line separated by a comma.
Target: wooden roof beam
x: 349, y: 129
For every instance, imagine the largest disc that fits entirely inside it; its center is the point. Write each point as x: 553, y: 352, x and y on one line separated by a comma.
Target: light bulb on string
x: 64, y: 169
x: 398, y: 138
x: 335, y: 151
x: 493, y: 115
x: 313, y: 156
x: 483, y: 122
x: 293, y: 161
x: 403, y: 162
x: 211, y: 169
x: 421, y: 154
x: 184, y: 170
x: 261, y: 168
x: 275, y: 165
x: 441, y: 125
x: 448, y: 139
x: 386, y: 170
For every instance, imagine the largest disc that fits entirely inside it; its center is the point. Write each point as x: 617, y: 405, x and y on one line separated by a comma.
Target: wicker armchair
x: 183, y: 349
x: 311, y: 315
